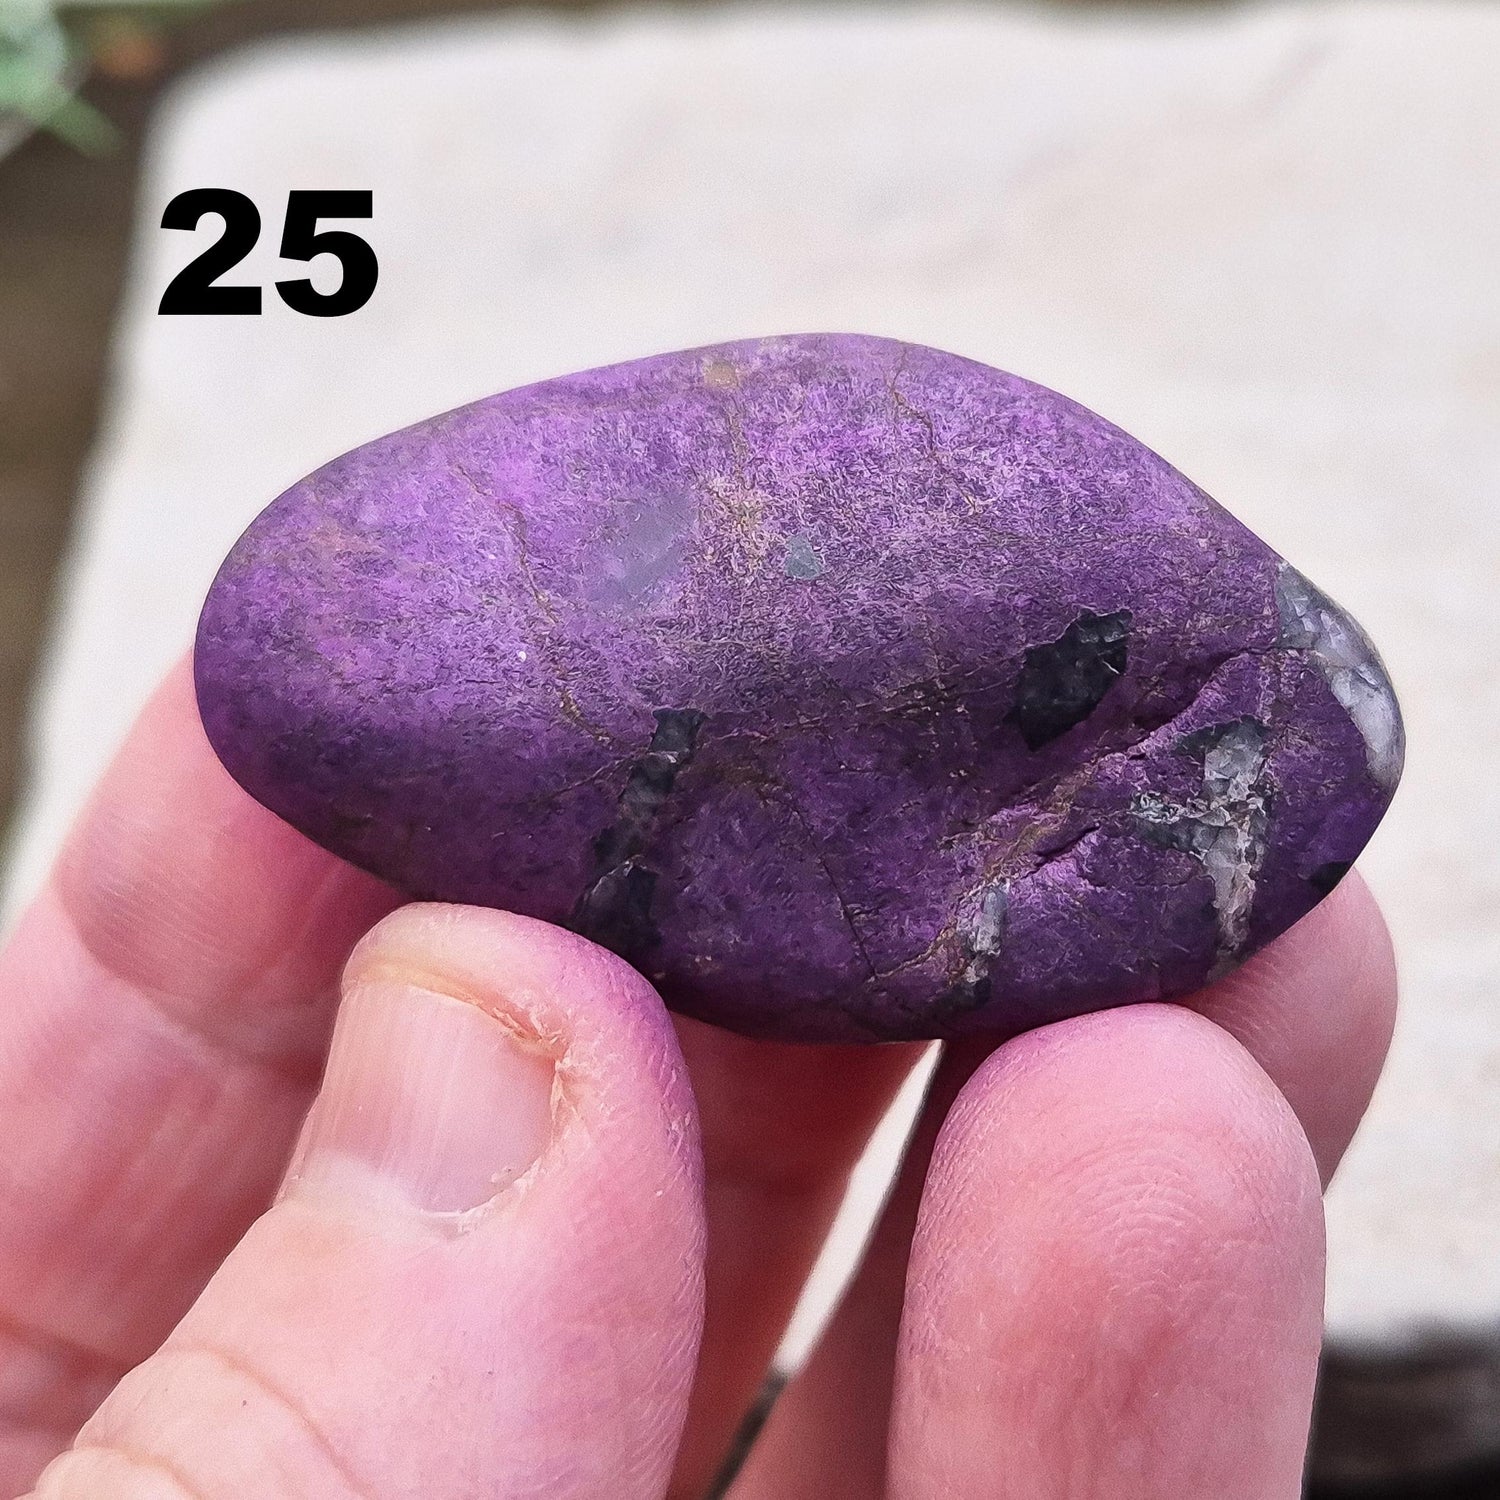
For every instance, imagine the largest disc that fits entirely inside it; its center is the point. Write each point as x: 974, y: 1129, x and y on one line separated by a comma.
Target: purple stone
x: 850, y: 689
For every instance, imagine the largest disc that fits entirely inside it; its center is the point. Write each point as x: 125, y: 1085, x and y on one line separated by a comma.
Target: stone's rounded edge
x: 1012, y: 951
x: 221, y: 683
x: 1352, y: 667
x: 216, y: 683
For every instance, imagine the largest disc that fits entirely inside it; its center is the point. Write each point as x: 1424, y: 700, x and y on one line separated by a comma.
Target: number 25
x: 194, y: 289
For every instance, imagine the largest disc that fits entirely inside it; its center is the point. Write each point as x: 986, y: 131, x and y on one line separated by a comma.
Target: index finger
x: 1316, y: 1009
x: 1115, y: 1285
x: 165, y: 1004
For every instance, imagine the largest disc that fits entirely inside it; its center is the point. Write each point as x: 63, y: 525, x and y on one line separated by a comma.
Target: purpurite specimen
x: 850, y: 689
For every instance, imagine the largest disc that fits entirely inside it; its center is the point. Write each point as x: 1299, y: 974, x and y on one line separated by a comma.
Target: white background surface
x: 1264, y: 241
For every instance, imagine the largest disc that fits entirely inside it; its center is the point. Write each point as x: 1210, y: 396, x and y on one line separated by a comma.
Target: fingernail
x: 427, y: 1100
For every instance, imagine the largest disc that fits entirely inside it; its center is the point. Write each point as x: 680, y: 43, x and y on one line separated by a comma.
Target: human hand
x: 538, y: 1240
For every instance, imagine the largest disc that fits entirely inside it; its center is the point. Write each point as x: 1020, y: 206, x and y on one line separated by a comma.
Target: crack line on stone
x: 940, y: 460
x: 1067, y: 785
x: 815, y: 845
x: 1224, y: 828
x: 518, y: 526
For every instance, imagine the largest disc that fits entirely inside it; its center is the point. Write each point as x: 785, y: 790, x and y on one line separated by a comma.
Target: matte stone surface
x: 849, y: 688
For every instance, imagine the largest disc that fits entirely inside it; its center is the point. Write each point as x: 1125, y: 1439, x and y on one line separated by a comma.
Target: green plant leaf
x: 36, y: 58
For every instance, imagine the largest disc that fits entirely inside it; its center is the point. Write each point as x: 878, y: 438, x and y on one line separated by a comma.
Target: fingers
x: 1315, y: 1009
x: 164, y: 1010
x: 485, y: 1275
x: 783, y: 1126
x: 1115, y: 1286
x: 825, y: 1438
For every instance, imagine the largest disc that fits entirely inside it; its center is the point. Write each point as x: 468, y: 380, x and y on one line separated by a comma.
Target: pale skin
x: 539, y: 1239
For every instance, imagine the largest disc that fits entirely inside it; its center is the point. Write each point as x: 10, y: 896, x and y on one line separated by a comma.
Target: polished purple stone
x: 850, y: 689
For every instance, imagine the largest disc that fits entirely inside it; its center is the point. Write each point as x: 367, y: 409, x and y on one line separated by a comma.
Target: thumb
x: 484, y: 1274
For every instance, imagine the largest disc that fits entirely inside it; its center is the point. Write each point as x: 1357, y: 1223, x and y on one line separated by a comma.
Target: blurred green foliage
x: 45, y: 50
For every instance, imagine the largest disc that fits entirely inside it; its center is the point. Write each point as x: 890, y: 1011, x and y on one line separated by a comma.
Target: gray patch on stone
x: 1224, y: 828
x: 640, y: 543
x: 802, y: 562
x: 988, y: 928
x: 981, y: 928
x: 1349, y: 663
